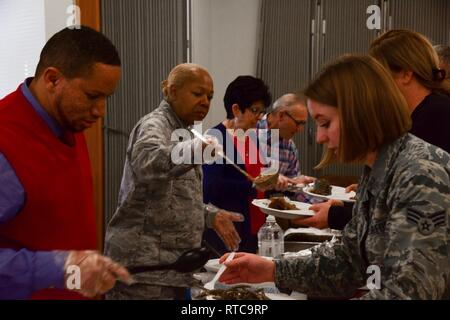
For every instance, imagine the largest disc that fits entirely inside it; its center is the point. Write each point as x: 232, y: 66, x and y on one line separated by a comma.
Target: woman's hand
x: 282, y: 183
x: 248, y: 268
x: 302, y: 180
x: 224, y: 227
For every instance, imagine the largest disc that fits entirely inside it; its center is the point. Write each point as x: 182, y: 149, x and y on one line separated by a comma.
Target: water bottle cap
x: 270, y: 218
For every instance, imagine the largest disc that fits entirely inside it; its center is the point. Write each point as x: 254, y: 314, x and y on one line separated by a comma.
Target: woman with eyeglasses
x: 246, y: 100
x: 396, y: 242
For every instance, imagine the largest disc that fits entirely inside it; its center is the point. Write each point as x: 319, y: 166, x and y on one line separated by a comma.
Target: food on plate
x: 266, y: 181
x: 322, y: 187
x: 241, y: 292
x: 280, y: 203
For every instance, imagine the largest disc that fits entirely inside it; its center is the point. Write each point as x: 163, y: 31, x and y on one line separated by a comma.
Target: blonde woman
x: 414, y: 64
x: 400, y: 220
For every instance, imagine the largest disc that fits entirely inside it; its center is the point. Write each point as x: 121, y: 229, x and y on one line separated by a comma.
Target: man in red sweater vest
x: 47, y: 216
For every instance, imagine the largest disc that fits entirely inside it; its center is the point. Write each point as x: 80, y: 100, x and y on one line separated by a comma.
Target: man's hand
x: 282, y: 183
x: 302, y: 180
x: 320, y: 219
x: 98, y: 273
x: 223, y: 224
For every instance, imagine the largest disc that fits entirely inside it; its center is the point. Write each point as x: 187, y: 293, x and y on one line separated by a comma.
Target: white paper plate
x: 337, y: 193
x: 303, y: 209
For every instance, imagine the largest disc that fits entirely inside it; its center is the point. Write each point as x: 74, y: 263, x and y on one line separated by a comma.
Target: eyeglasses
x: 257, y: 111
x: 298, y: 123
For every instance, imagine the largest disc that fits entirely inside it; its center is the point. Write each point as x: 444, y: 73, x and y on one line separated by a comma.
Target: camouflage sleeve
x: 416, y: 259
x: 151, y: 152
x: 333, y: 269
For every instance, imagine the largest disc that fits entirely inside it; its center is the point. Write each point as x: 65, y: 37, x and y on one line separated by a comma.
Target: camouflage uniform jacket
x: 160, y: 212
x: 400, y: 224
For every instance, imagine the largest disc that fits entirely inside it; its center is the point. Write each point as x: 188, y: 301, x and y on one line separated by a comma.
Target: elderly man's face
x: 81, y: 101
x: 291, y: 120
x: 192, y: 100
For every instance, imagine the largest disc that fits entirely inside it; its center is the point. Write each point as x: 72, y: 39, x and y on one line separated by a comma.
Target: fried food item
x: 322, y: 187
x: 266, y: 181
x: 281, y: 204
x: 242, y: 292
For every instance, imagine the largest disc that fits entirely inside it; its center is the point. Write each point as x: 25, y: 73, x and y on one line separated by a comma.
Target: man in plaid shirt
x: 288, y: 115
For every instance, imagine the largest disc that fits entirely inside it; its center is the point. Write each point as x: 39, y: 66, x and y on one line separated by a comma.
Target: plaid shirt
x: 287, y: 152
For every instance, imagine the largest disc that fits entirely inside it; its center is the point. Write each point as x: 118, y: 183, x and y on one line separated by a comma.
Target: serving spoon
x: 189, y: 261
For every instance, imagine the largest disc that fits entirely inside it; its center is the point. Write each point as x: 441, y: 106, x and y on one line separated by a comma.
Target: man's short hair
x: 75, y: 51
x: 244, y: 91
x: 288, y: 100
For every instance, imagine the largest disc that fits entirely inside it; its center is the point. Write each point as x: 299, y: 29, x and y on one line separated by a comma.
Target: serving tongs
x: 221, y: 154
x: 261, y: 181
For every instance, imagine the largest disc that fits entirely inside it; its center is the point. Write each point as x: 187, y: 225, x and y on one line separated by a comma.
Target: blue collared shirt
x: 24, y: 271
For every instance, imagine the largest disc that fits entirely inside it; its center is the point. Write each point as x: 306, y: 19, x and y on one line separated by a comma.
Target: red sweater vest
x: 58, y: 213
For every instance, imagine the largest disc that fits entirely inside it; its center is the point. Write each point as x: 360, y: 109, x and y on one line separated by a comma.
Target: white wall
x: 25, y: 27
x: 22, y: 35
x: 224, y: 41
x: 56, y: 16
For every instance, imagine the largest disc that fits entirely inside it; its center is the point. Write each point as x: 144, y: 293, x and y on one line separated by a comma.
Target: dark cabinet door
x: 298, y: 37
x: 428, y: 17
x: 343, y: 29
x: 151, y: 39
x: 284, y: 57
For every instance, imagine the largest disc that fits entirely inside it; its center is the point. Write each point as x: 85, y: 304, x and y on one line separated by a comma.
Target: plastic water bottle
x: 270, y: 238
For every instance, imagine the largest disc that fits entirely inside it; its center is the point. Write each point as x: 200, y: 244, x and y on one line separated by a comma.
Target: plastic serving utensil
x: 210, y: 285
x: 189, y: 261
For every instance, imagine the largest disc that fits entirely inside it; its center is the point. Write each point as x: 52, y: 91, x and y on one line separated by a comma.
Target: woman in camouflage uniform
x: 397, y: 240
x: 161, y: 212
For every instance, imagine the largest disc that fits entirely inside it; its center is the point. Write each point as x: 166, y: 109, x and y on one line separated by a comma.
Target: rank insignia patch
x: 426, y: 223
